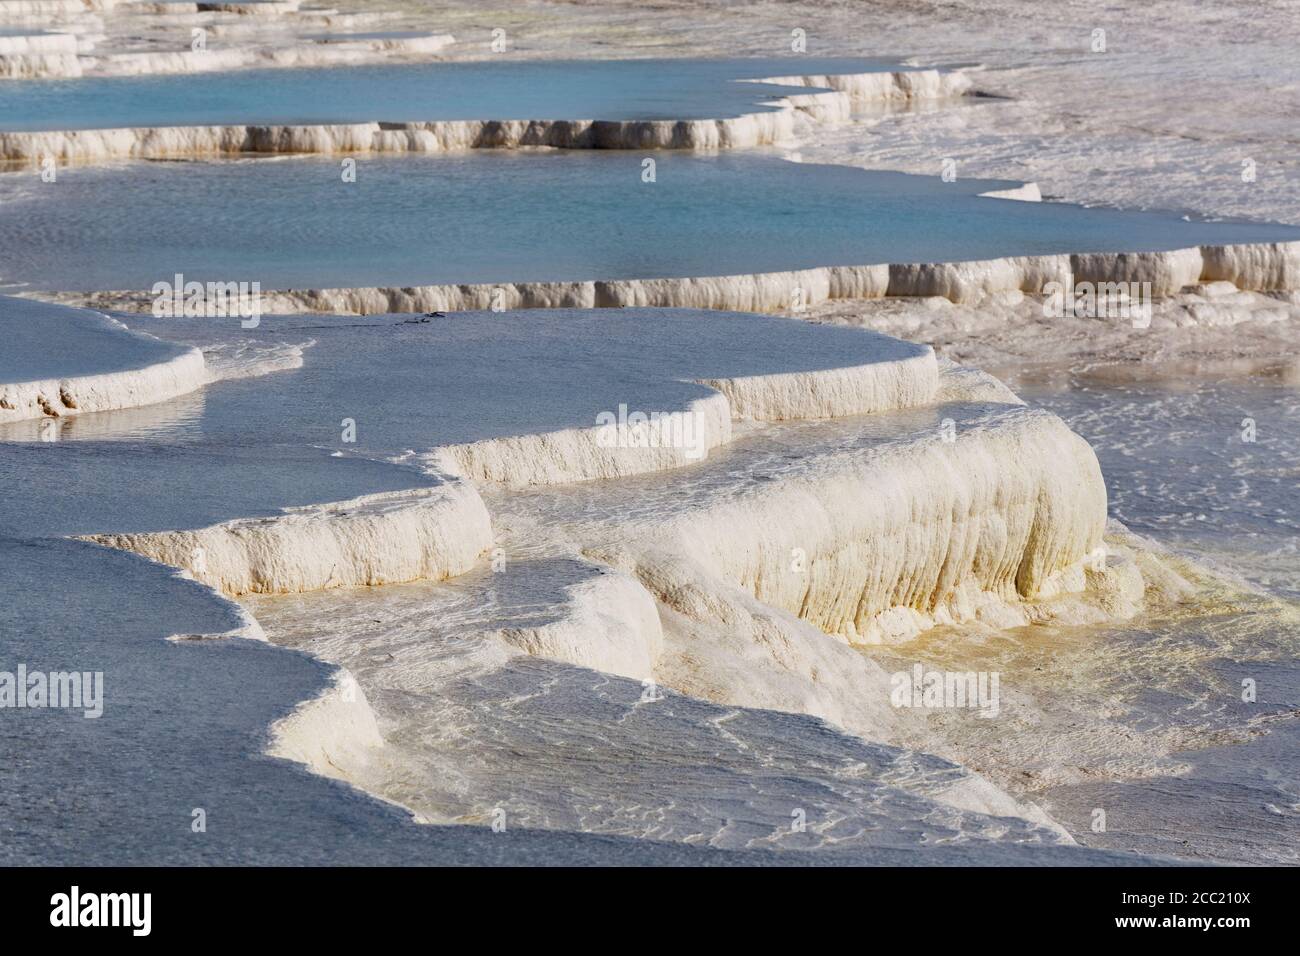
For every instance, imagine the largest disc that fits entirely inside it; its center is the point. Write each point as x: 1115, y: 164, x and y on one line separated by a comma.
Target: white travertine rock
x: 29, y: 66
x: 76, y: 395
x: 37, y: 41
x: 34, y: 9
x: 1263, y: 267
x: 145, y: 370
x: 581, y: 454
x: 1028, y: 192
x: 907, y: 382
x: 420, y: 534
x: 608, y: 622
x: 916, y: 532
x: 335, y: 734
x: 1166, y: 271
x: 968, y: 281
x: 739, y: 132
x: 899, y: 86
x: 678, y: 438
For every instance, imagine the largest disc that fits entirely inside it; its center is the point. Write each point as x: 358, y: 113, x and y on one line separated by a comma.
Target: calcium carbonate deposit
x: 98, y: 364
x: 619, y: 600
x: 150, y: 37
x: 660, y: 436
x: 732, y: 232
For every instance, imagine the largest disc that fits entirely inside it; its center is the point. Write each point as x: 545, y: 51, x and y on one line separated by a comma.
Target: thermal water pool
x: 492, y: 89
x: 489, y: 216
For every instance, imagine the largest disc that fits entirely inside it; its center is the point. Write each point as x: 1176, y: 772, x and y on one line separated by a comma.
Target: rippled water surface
x: 492, y: 89
x: 491, y: 216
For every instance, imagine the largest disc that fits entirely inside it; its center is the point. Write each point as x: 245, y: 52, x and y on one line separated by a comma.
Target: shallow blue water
x: 92, y: 487
x: 509, y: 217
x: 28, y: 354
x: 1210, y: 468
x: 1237, y: 804
x: 183, y: 727
x: 471, y: 376
x: 492, y: 89
x: 184, y: 724
x: 1180, y: 469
